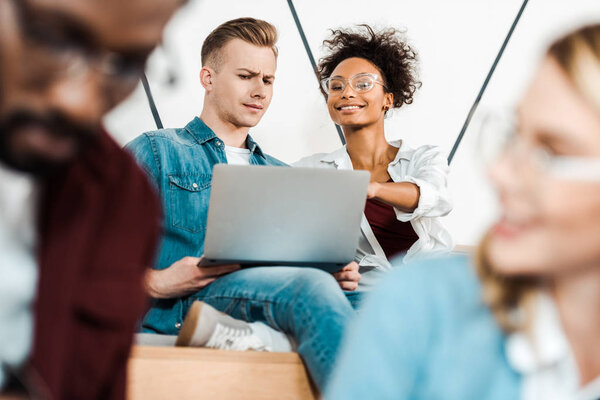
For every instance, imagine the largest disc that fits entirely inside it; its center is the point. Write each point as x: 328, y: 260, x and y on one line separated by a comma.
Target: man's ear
x: 206, y: 78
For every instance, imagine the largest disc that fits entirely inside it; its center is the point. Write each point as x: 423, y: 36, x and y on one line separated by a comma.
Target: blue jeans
x: 355, y: 299
x: 306, y: 303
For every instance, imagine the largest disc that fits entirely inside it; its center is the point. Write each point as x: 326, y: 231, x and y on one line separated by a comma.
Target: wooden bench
x: 183, y: 373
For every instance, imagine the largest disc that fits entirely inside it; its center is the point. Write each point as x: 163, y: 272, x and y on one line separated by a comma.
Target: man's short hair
x: 254, y: 31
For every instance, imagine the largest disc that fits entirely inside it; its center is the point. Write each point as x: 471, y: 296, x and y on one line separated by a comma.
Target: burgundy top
x: 394, y: 236
x: 99, y: 228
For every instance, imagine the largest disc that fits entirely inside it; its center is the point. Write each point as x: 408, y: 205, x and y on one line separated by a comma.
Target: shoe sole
x: 189, y: 325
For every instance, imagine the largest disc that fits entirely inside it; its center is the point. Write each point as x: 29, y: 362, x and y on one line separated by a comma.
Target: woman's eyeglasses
x: 360, y: 83
x: 499, y: 140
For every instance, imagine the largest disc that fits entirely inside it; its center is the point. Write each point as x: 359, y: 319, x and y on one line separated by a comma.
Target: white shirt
x: 545, y: 359
x: 427, y: 168
x: 18, y: 267
x: 237, y: 156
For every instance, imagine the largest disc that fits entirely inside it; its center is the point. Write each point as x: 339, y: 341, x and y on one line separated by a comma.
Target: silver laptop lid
x: 286, y: 216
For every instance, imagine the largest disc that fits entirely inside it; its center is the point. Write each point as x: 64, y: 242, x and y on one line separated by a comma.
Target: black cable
x: 310, y: 56
x: 485, y: 83
x: 151, y: 103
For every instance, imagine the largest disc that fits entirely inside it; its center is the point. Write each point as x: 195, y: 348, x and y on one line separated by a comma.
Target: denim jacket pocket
x: 189, y: 197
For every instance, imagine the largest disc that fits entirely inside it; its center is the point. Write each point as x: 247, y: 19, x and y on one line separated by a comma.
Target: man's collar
x: 202, y: 134
x: 253, y: 146
x: 200, y: 131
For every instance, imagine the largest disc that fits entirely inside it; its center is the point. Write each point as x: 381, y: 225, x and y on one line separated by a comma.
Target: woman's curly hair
x: 386, y: 49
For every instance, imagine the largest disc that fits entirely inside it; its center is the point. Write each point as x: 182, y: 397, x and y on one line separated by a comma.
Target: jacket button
x: 178, y: 325
x: 195, y: 185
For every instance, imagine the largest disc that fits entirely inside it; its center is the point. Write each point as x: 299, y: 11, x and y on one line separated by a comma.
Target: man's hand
x: 183, y: 277
x: 348, y: 277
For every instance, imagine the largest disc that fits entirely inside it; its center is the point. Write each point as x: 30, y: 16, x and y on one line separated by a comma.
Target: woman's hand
x: 372, y: 189
x: 183, y: 277
x: 348, y: 277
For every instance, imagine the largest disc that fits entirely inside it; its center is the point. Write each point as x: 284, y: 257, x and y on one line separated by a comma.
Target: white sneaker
x: 204, y: 326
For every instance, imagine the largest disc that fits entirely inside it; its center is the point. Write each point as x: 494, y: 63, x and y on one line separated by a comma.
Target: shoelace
x: 238, y: 339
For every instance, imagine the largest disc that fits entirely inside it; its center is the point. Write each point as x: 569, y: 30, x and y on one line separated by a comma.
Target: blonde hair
x: 254, y: 31
x: 511, y: 298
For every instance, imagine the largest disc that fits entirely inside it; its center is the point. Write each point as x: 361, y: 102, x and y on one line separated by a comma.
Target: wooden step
x: 183, y: 373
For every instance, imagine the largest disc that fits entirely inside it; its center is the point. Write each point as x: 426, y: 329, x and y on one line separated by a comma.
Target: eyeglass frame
x: 376, y: 79
x: 567, y: 168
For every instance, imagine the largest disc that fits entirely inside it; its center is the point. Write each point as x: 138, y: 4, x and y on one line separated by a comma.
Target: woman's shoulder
x: 309, y: 161
x: 447, y: 284
x: 419, y: 153
x: 322, y: 160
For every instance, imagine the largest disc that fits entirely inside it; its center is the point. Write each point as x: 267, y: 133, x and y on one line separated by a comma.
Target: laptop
x: 266, y: 216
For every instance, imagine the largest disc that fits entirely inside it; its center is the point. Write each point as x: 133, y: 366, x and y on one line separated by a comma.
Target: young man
x: 78, y: 220
x: 239, y: 61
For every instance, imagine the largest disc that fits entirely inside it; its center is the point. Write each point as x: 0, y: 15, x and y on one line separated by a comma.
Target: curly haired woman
x: 365, y: 75
x: 522, y: 321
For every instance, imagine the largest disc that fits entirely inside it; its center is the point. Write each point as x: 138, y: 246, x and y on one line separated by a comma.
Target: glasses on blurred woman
x: 501, y: 142
x: 359, y: 83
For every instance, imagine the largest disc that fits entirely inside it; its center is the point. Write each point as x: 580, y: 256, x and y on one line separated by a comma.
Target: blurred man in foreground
x: 78, y: 221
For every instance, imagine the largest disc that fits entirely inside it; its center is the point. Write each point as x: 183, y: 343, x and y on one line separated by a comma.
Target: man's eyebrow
x: 255, y: 73
x: 249, y: 71
x: 138, y: 52
x: 66, y: 25
x: 56, y: 20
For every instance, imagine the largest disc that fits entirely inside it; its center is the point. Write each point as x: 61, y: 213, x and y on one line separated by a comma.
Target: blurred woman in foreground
x: 524, y: 323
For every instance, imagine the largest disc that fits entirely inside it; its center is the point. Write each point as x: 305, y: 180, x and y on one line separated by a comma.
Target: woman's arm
x: 402, y: 195
x: 426, y: 181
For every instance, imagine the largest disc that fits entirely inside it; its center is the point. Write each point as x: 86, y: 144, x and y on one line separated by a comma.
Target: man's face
x: 63, y: 65
x: 242, y: 85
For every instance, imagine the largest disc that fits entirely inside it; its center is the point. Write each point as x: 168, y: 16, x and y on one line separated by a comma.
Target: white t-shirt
x: 18, y: 267
x: 548, y: 368
x: 237, y: 156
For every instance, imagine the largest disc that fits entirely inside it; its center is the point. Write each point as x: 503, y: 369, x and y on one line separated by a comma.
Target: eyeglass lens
x: 359, y: 83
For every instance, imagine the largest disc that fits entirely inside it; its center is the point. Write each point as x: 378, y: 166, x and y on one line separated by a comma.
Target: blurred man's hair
x: 255, y: 31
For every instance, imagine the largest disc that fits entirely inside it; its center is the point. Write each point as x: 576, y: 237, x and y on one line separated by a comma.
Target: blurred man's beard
x: 57, y: 126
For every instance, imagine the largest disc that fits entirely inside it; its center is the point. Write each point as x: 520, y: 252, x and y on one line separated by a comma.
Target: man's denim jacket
x: 179, y: 163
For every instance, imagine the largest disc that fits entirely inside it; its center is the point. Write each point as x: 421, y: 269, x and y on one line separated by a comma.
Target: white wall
x: 457, y: 42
